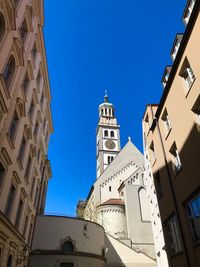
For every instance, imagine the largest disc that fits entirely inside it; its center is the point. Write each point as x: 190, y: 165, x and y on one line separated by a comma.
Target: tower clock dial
x: 110, y: 144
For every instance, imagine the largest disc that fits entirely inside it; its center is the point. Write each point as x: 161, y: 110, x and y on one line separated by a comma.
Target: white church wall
x: 117, y: 254
x: 112, y: 218
x: 114, y: 181
x: 139, y: 230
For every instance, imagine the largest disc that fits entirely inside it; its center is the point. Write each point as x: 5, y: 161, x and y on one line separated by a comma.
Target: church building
x: 117, y: 199
x: 112, y: 227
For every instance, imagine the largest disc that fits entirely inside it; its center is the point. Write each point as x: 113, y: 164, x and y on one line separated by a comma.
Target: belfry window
x: 106, y: 133
x: 112, y: 134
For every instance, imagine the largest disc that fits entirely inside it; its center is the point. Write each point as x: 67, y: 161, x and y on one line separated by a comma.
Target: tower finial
x: 106, y: 99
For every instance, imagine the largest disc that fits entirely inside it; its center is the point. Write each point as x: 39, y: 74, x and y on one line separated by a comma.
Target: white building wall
x: 159, y: 242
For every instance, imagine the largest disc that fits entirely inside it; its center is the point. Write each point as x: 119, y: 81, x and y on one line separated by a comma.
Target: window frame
x: 173, y: 235
x: 193, y: 224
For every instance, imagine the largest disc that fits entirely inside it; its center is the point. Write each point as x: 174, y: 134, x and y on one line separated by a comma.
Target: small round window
x: 67, y: 247
x: 2, y: 26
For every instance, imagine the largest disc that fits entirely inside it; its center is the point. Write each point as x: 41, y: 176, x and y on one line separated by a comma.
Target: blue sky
x: 92, y: 45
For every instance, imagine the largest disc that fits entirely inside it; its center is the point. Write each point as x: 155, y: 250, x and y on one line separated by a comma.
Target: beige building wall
x: 25, y: 126
x: 70, y: 241
x: 172, y: 141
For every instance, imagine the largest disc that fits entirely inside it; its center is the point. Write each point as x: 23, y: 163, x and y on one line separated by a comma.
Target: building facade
x: 25, y: 127
x: 70, y: 243
x: 171, y: 143
x: 117, y: 199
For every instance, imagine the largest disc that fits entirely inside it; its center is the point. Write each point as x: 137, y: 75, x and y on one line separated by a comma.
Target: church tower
x: 108, y: 136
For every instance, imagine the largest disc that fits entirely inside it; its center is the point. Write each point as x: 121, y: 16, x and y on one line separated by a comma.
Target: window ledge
x: 189, y: 89
x: 168, y: 133
x: 177, y: 172
x: 154, y: 162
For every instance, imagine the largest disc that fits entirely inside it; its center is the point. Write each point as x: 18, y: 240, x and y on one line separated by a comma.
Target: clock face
x: 110, y: 144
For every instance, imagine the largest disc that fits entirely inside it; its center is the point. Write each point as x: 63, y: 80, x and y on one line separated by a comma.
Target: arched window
x: 112, y: 134
x: 106, y: 133
x: 101, y: 112
x: 110, y: 112
x: 2, y: 26
x: 9, y: 71
x: 109, y: 160
x: 105, y: 111
x: 9, y: 262
x: 67, y: 247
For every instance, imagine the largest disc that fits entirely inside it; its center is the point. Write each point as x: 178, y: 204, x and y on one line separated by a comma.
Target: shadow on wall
x: 111, y: 254
x: 177, y: 184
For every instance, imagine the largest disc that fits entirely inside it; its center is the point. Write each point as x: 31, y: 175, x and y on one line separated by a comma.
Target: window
x: 2, y: 26
x: 193, y: 211
x: 2, y: 173
x: 22, y: 150
x: 31, y: 109
x: 13, y: 126
x: 10, y: 200
x: 188, y: 12
x: 36, y: 197
x: 110, y: 189
x: 173, y: 236
x: 19, y: 213
x: 30, y: 233
x: 166, y: 122
x: 9, y: 262
x: 34, y: 51
x: 9, y: 71
x: 153, y: 154
x: 36, y: 129
x: 24, y: 31
x: 196, y: 109
x: 39, y: 77
x: 67, y: 247
x: 28, y: 167
x: 112, y: 134
x: 176, y: 159
x: 25, y: 226
x: 42, y: 100
x: 25, y: 84
x: 187, y: 74
x: 106, y: 133
x: 158, y: 185
x: 109, y: 160
x: 32, y: 187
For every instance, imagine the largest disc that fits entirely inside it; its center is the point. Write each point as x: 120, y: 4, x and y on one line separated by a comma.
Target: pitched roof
x: 127, y: 154
x: 113, y: 201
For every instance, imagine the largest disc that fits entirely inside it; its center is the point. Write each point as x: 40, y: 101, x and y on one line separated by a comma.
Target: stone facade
x: 25, y: 127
